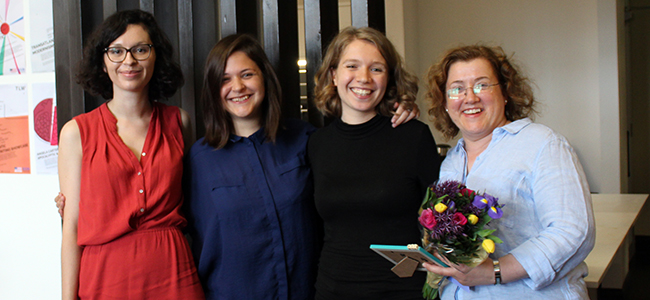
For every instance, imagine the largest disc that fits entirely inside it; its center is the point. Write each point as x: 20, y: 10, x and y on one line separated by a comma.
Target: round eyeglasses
x: 138, y: 52
x: 459, y: 93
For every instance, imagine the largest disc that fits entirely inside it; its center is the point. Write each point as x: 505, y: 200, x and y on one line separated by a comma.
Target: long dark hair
x: 167, y: 76
x: 218, y: 123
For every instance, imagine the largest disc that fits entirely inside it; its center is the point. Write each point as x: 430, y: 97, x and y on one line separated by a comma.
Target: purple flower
x: 483, y: 201
x: 489, y: 202
x: 495, y: 212
x: 450, y: 188
x: 446, y: 227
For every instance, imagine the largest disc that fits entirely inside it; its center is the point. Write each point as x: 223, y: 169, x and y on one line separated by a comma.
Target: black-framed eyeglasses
x: 459, y: 93
x: 138, y: 52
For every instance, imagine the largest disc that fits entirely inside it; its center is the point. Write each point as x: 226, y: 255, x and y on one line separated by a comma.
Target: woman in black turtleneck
x: 369, y: 177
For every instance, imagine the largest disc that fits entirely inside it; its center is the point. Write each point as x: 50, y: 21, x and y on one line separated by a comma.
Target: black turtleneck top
x: 369, y: 182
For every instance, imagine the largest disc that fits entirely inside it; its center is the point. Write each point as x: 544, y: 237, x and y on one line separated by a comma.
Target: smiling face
x: 242, y: 89
x: 130, y: 75
x: 476, y: 115
x: 360, y: 78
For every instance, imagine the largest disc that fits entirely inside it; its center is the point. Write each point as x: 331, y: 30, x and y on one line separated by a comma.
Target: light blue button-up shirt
x: 547, y: 224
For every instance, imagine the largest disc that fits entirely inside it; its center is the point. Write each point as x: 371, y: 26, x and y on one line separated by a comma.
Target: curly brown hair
x: 402, y: 85
x: 515, y: 86
x: 167, y: 75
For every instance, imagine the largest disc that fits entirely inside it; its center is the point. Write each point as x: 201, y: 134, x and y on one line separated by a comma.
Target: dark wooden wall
x: 194, y: 27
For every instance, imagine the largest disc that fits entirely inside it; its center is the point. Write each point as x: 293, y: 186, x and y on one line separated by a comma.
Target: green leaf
x: 485, y: 232
x: 495, y: 239
x: 428, y: 292
x: 427, y: 197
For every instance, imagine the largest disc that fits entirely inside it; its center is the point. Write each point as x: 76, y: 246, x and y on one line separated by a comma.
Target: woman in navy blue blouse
x: 248, y: 186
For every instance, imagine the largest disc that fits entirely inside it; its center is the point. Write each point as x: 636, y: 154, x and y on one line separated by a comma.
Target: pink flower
x: 427, y: 219
x: 460, y: 219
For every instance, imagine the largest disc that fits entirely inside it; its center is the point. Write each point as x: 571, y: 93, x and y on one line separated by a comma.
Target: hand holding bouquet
x: 454, y: 220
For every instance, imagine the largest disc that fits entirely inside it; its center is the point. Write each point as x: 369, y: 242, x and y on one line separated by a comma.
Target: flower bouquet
x: 454, y: 218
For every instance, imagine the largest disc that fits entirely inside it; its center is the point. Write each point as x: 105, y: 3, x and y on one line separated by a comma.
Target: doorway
x: 637, y: 23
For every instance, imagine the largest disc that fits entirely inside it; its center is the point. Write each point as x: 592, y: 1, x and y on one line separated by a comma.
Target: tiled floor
x: 637, y: 282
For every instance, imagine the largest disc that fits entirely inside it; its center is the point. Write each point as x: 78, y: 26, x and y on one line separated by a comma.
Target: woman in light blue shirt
x: 548, y: 225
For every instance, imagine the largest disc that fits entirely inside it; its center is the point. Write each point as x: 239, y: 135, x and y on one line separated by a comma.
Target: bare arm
x: 188, y: 134
x: 70, y: 155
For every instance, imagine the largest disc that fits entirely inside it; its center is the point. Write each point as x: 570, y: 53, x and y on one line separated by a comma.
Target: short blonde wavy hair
x: 402, y: 85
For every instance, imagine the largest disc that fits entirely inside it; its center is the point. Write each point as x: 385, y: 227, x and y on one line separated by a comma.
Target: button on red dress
x: 129, y: 211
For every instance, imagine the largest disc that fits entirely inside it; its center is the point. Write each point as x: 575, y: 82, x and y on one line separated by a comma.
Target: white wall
x: 30, y: 238
x: 568, y: 49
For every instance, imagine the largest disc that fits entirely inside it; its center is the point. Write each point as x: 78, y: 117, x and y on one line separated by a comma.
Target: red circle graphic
x: 4, y: 28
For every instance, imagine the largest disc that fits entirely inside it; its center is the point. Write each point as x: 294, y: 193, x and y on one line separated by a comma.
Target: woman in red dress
x: 120, y: 167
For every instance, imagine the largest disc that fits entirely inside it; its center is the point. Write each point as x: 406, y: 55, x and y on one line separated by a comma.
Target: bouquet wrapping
x: 454, y: 220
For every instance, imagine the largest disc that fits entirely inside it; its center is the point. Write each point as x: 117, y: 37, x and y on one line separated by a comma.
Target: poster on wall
x: 12, y: 37
x: 14, y: 129
x: 45, y: 143
x: 42, y: 37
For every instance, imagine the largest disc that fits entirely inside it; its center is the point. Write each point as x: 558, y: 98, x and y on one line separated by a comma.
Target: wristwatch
x: 497, y: 271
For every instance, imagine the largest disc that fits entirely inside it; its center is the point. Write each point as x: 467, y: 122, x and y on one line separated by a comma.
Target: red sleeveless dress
x: 129, y: 211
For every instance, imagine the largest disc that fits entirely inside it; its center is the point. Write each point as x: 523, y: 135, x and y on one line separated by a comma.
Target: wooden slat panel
x: 227, y: 17
x: 321, y: 25
x: 289, y: 54
x: 166, y: 13
x: 147, y: 5
x: 194, y: 27
x: 249, y: 17
x: 271, y: 31
x: 280, y: 34
x: 110, y: 7
x: 369, y: 13
x: 92, y: 15
x: 205, y: 20
x: 186, y: 56
x: 67, y: 38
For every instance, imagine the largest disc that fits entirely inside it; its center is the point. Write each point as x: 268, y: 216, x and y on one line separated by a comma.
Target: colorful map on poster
x: 12, y: 37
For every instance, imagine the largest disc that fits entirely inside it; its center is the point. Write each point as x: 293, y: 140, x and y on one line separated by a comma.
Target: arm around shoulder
x: 70, y: 158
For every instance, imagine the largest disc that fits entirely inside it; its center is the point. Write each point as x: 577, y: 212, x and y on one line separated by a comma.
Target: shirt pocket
x: 293, y: 164
x: 294, y: 183
x: 517, y: 204
x: 229, y: 194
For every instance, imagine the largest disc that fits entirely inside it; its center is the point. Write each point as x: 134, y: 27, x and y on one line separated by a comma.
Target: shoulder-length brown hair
x: 167, y: 75
x: 218, y: 123
x: 402, y: 85
x: 515, y: 86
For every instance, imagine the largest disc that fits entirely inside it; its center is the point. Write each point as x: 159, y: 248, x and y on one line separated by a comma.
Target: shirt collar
x: 259, y: 137
x: 511, y: 128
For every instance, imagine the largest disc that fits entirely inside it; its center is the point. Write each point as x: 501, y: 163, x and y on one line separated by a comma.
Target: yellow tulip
x: 473, y: 219
x: 488, y: 245
x: 440, y: 207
